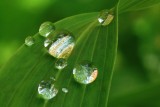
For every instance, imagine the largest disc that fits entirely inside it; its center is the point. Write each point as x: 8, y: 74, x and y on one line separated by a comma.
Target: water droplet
x: 60, y: 63
x: 62, y: 45
x: 47, y: 42
x: 85, y: 72
x: 106, y: 17
x: 46, y: 28
x: 29, y: 41
x: 47, y: 90
x: 65, y: 90
x: 53, y: 78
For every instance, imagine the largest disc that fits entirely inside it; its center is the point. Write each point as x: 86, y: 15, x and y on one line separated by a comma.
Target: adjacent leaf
x: 144, y: 96
x: 130, y: 5
x: 20, y: 77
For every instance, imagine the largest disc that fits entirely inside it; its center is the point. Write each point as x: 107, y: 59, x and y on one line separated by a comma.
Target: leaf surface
x: 20, y: 77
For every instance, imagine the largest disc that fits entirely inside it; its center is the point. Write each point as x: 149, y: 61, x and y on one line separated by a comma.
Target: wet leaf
x: 21, y: 75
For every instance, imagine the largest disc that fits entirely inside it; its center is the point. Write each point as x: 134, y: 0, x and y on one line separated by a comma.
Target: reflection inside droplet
x: 62, y: 45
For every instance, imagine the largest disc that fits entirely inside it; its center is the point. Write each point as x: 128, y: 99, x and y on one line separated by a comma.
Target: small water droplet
x: 65, y: 90
x: 47, y: 42
x: 46, y: 28
x: 53, y: 78
x: 29, y: 41
x: 106, y: 17
x: 60, y: 63
x: 85, y: 72
x: 47, y: 90
x: 62, y: 45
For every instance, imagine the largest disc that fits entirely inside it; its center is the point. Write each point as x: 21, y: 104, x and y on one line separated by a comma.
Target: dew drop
x: 85, y: 72
x: 53, y: 78
x: 62, y: 45
x: 47, y: 90
x: 29, y: 41
x: 47, y: 42
x: 105, y: 17
x: 46, y: 28
x: 61, y: 63
x: 65, y: 90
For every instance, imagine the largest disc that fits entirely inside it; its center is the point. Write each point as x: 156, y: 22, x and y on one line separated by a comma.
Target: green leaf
x: 20, y: 77
x: 146, y: 95
x: 131, y: 5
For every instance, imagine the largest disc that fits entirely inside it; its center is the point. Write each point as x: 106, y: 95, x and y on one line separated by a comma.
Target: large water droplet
x: 46, y: 28
x: 85, y: 72
x: 29, y: 41
x: 62, y: 45
x: 47, y: 90
x: 61, y: 63
x: 106, y: 17
x: 65, y: 90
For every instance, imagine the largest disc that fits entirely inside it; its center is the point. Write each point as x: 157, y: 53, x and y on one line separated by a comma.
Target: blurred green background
x: 138, y: 60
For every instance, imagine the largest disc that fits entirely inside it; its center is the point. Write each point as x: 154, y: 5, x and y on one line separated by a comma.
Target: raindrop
x: 62, y: 44
x: 60, y: 63
x: 47, y: 42
x: 53, y: 78
x: 105, y: 17
x: 46, y: 28
x: 85, y: 72
x: 47, y: 90
x: 65, y: 90
x: 29, y: 41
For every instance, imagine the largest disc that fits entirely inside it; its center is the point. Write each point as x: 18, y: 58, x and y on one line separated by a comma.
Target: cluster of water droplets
x: 59, y: 44
x: 63, y: 43
x: 47, y: 90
